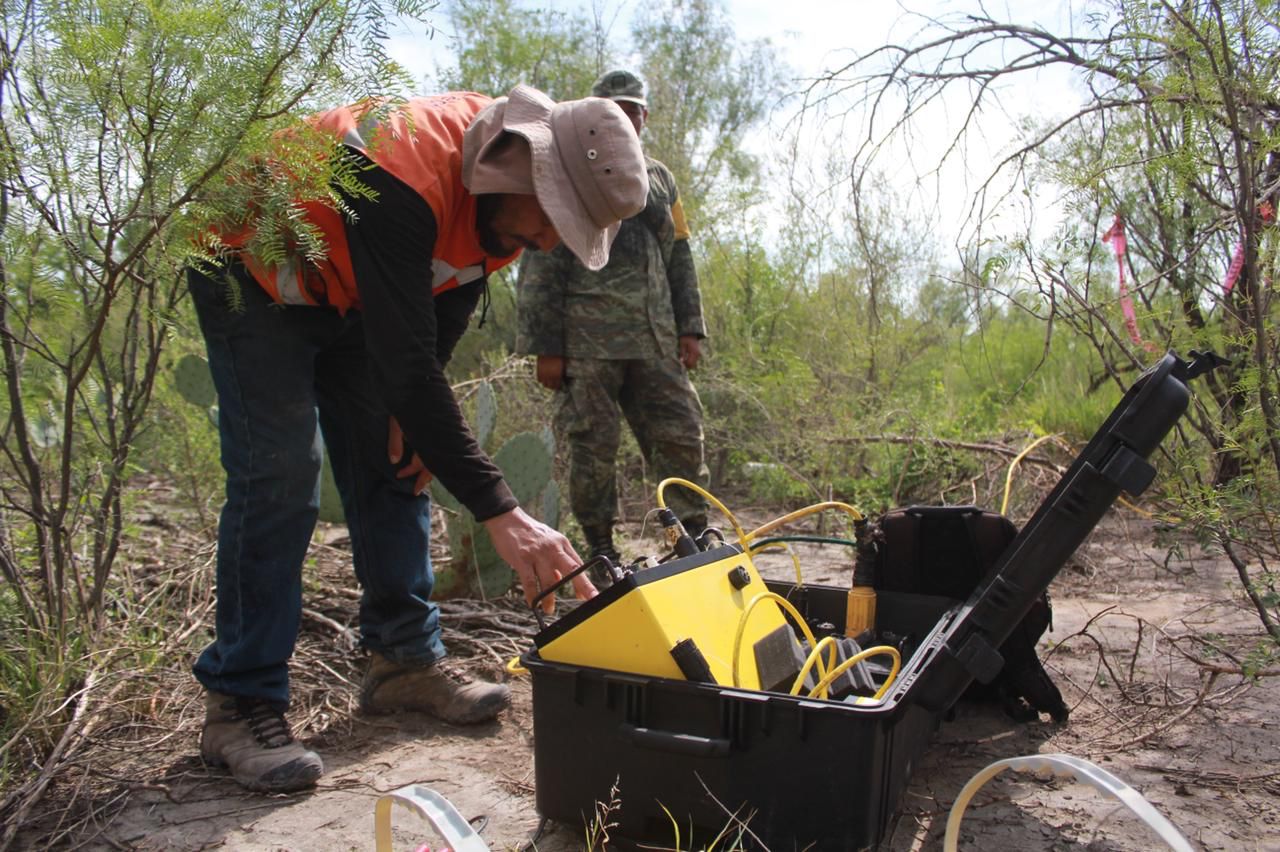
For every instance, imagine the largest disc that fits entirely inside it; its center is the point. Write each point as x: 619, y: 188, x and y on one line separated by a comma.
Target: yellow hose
x: 745, y: 538
x: 746, y: 613
x: 815, y: 656
x: 1008, y: 477
x: 853, y: 661
x: 781, y: 545
x: 693, y: 486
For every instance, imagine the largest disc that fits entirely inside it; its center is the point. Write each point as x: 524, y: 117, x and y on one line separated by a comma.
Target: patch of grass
x: 733, y: 837
x: 597, y: 831
x: 38, y: 677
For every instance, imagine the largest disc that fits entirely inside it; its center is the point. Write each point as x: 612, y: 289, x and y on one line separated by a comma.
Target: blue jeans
x: 280, y: 372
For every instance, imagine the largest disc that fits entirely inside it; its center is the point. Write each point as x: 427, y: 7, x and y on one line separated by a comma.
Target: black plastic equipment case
x: 691, y: 760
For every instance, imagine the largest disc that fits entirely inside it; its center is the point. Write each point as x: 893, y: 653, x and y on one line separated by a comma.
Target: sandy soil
x: 1206, y: 757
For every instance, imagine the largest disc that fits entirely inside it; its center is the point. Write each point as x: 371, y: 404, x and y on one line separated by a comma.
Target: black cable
x: 532, y: 844
x: 804, y: 539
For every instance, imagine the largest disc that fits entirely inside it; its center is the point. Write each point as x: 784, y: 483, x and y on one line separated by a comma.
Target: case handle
x: 942, y: 511
x: 676, y: 743
x: 1129, y: 471
x: 551, y: 590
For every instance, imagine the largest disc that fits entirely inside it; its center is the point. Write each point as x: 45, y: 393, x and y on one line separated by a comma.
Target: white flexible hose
x: 435, y: 809
x: 1066, y: 766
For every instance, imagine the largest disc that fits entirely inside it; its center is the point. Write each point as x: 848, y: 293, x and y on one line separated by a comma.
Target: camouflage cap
x: 620, y: 85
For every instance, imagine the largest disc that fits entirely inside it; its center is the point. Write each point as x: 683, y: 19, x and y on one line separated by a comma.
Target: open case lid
x: 963, y: 646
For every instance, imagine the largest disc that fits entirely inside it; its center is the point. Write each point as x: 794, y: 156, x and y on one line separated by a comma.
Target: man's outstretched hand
x: 539, y: 555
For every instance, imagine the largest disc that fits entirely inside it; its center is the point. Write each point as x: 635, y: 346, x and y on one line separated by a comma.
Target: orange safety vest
x: 419, y: 142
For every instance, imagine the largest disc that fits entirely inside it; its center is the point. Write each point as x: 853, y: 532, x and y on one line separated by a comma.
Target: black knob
x: 739, y: 578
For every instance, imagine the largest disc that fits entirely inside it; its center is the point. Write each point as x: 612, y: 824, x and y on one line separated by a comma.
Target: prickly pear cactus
x: 330, y: 500
x: 494, y: 574
x: 454, y: 579
x: 486, y: 413
x: 526, y: 465
x: 195, y: 384
x: 549, y: 501
x: 192, y: 378
x: 549, y: 505
x: 475, y: 569
x: 443, y: 498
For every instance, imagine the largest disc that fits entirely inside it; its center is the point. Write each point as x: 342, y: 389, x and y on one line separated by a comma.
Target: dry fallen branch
x: 1187, y: 711
x: 25, y: 797
x: 1268, y: 781
x: 347, y: 638
x: 945, y: 443
x: 1150, y: 702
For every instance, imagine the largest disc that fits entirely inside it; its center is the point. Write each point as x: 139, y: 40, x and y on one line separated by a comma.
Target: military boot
x: 694, y: 525
x: 250, y: 737
x: 600, y: 543
x: 437, y: 689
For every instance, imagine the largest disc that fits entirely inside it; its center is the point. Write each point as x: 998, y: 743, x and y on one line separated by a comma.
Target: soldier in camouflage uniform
x: 621, y: 340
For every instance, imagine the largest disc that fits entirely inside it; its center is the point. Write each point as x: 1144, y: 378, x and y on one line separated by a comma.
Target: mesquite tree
x: 120, y: 121
x: 126, y: 128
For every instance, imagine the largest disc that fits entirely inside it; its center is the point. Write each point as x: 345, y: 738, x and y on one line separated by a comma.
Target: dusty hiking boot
x: 437, y: 689
x: 251, y: 738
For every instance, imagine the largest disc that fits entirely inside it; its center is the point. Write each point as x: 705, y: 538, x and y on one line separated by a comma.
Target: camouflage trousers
x: 665, y: 415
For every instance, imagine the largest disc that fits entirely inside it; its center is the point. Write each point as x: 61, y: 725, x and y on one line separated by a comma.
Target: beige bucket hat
x: 587, y: 168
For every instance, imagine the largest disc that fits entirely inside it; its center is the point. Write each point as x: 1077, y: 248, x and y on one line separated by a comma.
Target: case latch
x: 1130, y: 471
x: 980, y: 659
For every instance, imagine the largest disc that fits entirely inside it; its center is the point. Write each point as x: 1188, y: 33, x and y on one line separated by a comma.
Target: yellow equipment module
x: 688, y: 607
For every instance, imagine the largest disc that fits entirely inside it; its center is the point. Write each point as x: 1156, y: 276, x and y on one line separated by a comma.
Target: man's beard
x: 486, y: 208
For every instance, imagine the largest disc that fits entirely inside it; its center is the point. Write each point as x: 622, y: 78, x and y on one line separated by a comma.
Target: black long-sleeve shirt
x: 411, y: 334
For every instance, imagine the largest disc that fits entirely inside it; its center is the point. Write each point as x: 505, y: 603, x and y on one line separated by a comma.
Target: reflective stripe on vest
x: 289, y: 283
x: 442, y: 273
x: 290, y: 290
x: 366, y: 128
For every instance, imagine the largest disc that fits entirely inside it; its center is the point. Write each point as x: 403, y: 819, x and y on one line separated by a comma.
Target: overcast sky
x: 816, y: 35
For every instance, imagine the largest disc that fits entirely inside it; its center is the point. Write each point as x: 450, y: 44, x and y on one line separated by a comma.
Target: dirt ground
x: 1203, y: 751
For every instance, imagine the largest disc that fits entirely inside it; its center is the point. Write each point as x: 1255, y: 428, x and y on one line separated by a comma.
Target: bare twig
x: 996, y: 449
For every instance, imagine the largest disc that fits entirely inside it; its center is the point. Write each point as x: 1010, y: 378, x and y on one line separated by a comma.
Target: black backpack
x: 949, y: 551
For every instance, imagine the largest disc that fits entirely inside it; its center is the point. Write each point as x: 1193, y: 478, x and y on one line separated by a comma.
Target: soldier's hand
x: 550, y: 371
x: 539, y: 555
x: 690, y: 351
x: 395, y: 452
